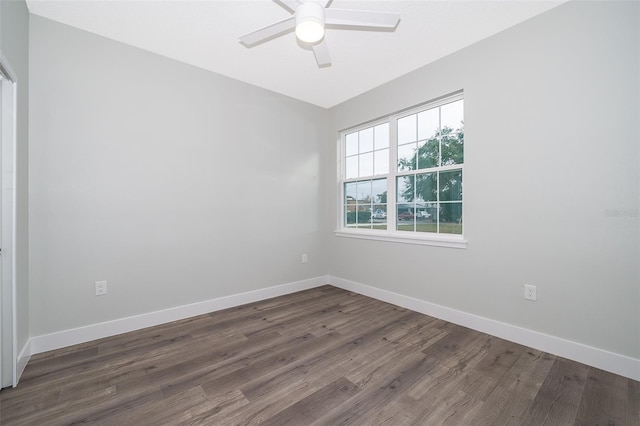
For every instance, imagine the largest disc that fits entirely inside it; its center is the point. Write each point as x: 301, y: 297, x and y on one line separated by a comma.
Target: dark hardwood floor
x: 323, y: 356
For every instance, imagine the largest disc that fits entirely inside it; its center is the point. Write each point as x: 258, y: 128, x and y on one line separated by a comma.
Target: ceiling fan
x: 309, y: 19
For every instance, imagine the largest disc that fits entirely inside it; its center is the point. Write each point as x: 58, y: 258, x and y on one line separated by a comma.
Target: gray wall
x: 174, y: 184
x: 14, y: 44
x: 551, y: 179
x: 177, y: 185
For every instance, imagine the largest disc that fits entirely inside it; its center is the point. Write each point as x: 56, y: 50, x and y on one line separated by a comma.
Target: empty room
x: 295, y: 212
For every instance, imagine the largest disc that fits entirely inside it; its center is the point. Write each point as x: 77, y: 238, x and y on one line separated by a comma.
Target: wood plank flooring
x: 324, y: 357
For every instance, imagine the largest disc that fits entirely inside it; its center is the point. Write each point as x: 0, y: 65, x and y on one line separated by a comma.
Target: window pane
x: 350, y: 193
x: 381, y: 162
x: 364, y: 192
x: 349, y: 214
x: 366, y: 164
x: 351, y: 167
x: 451, y: 218
x: 427, y: 187
x: 407, y: 129
x: 381, y: 136
x: 379, y: 190
x: 427, y: 227
x: 452, y: 115
x: 351, y: 143
x: 426, y: 213
x: 428, y: 154
x: 406, y: 157
x: 379, y: 212
x: 405, y: 189
x: 451, y: 185
x: 426, y: 217
x: 363, y: 216
x: 405, y: 218
x: 452, y: 148
x: 379, y: 216
x: 366, y: 140
x: 428, y: 123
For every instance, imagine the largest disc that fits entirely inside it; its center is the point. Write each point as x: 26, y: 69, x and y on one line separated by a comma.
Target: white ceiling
x: 205, y: 34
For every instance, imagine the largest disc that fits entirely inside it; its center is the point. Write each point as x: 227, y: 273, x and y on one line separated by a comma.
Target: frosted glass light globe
x: 310, y: 22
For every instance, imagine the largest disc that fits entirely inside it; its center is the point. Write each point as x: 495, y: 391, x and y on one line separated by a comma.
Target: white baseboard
x: 87, y: 333
x: 599, y: 358
x: 23, y: 358
x: 595, y: 357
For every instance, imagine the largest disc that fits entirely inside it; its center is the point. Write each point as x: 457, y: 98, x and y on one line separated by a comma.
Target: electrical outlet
x: 305, y: 258
x: 530, y: 292
x: 101, y: 288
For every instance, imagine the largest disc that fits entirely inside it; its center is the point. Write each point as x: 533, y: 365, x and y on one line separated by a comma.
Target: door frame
x: 8, y: 308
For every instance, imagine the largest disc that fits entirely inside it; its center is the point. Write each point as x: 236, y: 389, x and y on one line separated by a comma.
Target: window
x: 366, y: 155
x: 401, y: 177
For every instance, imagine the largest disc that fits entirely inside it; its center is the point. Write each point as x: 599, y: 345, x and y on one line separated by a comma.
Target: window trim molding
x: 393, y: 235
x: 442, y: 240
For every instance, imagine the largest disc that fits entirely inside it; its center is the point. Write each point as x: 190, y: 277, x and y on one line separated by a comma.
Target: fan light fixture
x: 310, y: 22
x: 309, y: 18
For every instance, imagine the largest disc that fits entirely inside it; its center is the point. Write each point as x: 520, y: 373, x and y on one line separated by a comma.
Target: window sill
x: 453, y: 241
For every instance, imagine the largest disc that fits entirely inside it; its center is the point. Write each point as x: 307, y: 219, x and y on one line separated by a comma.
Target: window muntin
x: 423, y: 178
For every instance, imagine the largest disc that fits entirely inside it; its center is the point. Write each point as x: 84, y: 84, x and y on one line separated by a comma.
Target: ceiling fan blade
x: 362, y: 18
x: 322, y: 53
x: 268, y: 32
x: 290, y: 5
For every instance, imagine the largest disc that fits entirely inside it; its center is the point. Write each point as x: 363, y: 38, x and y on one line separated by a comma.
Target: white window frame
x: 391, y: 234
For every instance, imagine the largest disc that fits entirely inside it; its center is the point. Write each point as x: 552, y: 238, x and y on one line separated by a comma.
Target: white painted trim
x: 87, y: 333
x: 599, y: 358
x: 7, y: 68
x: 14, y: 179
x: 12, y: 237
x: 23, y: 358
x: 9, y: 182
x: 403, y: 237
